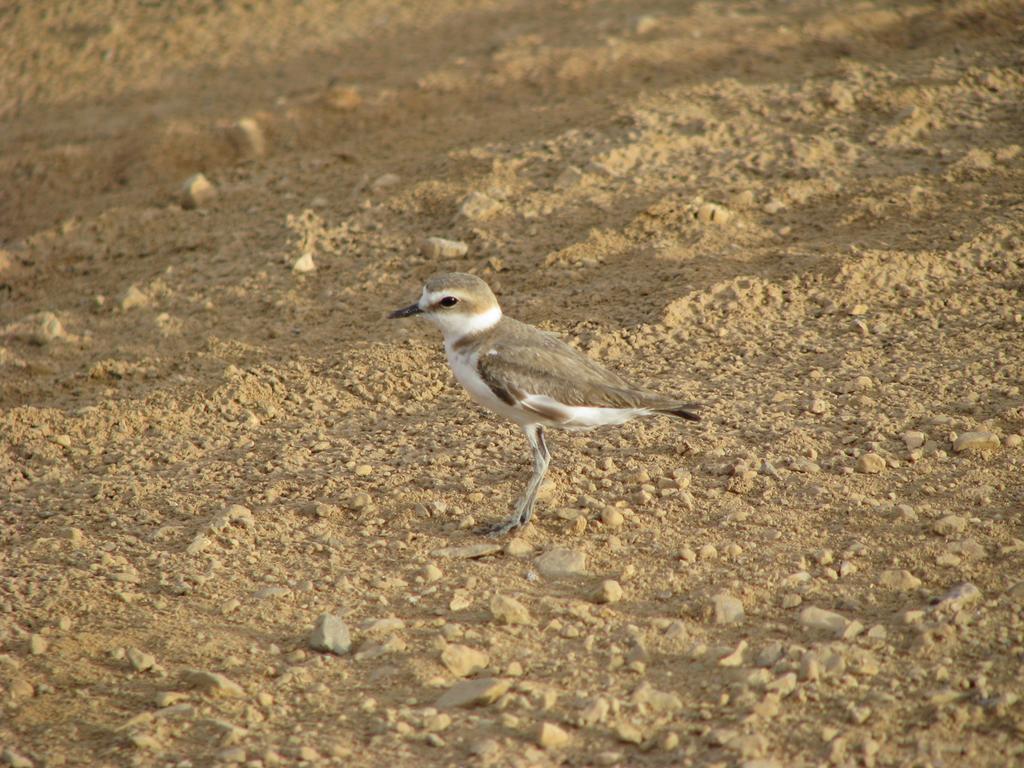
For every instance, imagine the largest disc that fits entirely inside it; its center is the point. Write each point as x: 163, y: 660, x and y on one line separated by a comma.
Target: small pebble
x: 728, y: 608
x: 145, y: 741
x: 559, y: 562
x: 461, y: 600
x: 486, y: 749
x: 248, y: 137
x: 594, y: 711
x: 972, y: 442
x: 783, y: 685
x: 197, y: 191
x: 804, y: 465
x: 15, y: 759
x: 958, y: 597
x: 463, y: 661
x: 659, y: 702
x: 569, y: 178
x: 914, y: 616
x: 38, y: 645
x: 735, y: 657
x: 508, y: 610
x: 268, y: 593
x: 232, y: 755
x: 742, y: 199
x: 901, y: 580
x: 357, y: 502
x: 231, y: 606
x: 770, y: 654
x: 612, y: 518
x: 382, y: 627
x: 859, y: 715
x: 869, y: 464
x: 437, y: 722
x: 74, y: 535
x: 165, y: 699
x: 472, y: 693
x: 213, y: 683
x: 385, y: 182
x: 914, y: 439
x: 140, y: 660
x: 478, y: 206
x: 330, y: 634
x: 818, y: 618
x: 792, y: 600
x: 644, y: 24
x: 518, y: 548
x: 610, y: 591
x: 304, y: 264
x: 133, y: 297
x: 468, y: 552
x: 439, y: 248
x: 949, y: 525
x: 878, y: 632
x: 309, y: 754
x: 628, y: 733
x: 39, y: 328
x: 550, y: 736
x: 750, y: 745
x: 234, y: 514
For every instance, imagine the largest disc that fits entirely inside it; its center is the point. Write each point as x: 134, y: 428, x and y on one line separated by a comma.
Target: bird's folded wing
x: 541, y: 376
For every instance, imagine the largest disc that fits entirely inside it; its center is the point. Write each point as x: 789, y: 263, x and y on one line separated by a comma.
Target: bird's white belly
x: 464, y: 367
x: 585, y: 416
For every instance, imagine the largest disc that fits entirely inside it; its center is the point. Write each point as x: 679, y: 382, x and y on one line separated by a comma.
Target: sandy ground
x: 807, y: 215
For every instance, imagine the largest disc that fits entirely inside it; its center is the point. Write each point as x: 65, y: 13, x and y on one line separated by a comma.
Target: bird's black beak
x: 412, y: 309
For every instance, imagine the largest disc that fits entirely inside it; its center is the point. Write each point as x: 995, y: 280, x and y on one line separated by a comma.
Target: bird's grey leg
x: 541, y: 459
x: 524, y: 507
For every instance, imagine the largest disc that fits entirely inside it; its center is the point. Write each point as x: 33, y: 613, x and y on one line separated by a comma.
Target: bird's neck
x: 471, y: 327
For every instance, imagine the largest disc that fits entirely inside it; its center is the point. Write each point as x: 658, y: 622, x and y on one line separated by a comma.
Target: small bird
x: 528, y: 375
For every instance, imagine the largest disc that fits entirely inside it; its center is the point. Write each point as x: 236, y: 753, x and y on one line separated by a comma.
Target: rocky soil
x: 236, y: 503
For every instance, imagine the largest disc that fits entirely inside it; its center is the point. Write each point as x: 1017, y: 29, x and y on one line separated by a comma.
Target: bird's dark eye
x: 448, y: 301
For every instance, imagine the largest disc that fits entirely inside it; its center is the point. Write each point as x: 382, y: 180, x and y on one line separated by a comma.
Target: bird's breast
x: 464, y: 366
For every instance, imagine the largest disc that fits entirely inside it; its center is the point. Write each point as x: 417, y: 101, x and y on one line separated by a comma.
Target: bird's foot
x: 502, y: 527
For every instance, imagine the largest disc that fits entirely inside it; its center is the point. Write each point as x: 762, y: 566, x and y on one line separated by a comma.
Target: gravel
x: 330, y: 634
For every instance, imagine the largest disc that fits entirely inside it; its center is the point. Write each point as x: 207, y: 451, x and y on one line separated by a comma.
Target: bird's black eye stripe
x: 448, y: 301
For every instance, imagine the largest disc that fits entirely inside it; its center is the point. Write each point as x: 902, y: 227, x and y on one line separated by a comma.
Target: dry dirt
x: 807, y: 215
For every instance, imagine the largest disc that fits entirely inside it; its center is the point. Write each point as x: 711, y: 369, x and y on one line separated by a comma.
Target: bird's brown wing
x: 530, y: 362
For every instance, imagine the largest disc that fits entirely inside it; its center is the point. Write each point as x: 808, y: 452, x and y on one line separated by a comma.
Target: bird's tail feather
x: 686, y: 411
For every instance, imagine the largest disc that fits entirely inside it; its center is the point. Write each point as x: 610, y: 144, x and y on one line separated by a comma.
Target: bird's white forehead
x: 429, y: 298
